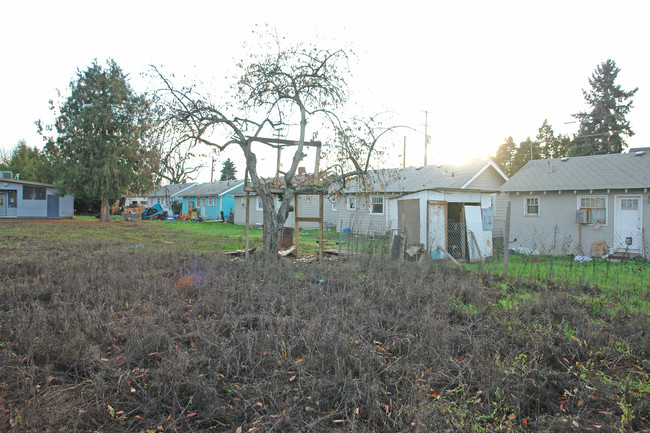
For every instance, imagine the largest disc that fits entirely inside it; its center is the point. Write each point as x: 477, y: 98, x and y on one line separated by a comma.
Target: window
x: 531, y: 206
x: 33, y: 192
x: 11, y: 198
x: 597, y: 207
x: 260, y: 204
x: 377, y: 205
x: 334, y: 202
x: 352, y: 203
x: 629, y: 204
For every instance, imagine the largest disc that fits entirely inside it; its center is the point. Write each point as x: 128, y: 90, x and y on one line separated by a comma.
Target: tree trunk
x: 105, y: 213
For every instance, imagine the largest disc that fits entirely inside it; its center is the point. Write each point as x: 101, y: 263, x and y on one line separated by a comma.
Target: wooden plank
x: 478, y: 250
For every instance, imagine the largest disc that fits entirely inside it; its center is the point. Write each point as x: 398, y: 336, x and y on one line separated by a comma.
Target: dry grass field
x: 143, y: 328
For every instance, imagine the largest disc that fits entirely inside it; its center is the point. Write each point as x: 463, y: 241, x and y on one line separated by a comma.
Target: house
x: 445, y: 208
x: 24, y: 199
x: 211, y: 199
x: 308, y: 207
x: 166, y: 195
x: 581, y: 205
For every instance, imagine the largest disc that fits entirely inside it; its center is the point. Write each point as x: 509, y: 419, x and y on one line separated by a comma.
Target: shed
x: 446, y: 208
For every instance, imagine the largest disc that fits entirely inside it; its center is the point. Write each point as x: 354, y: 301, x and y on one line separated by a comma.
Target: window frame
x: 37, y: 192
x: 260, y: 204
x: 335, y: 204
x: 539, y: 206
x: 593, y: 197
x: 371, y: 204
x: 351, y: 204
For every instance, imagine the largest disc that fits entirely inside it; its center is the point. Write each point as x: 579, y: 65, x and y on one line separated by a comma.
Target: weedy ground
x: 117, y: 330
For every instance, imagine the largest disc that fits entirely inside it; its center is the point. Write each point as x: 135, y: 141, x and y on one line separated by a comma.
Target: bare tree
x: 299, y: 86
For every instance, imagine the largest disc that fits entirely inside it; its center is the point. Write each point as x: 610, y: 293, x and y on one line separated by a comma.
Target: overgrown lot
x: 99, y: 335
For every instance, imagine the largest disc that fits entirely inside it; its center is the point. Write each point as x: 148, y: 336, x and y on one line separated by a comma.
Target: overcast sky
x: 484, y: 70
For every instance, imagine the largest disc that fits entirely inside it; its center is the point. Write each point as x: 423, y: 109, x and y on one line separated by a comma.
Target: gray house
x: 443, y: 207
x: 308, y: 207
x: 24, y: 199
x: 582, y: 205
x: 168, y: 194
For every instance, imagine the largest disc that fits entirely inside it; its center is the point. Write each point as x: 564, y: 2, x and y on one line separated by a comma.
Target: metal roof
x: 28, y: 182
x: 413, y: 179
x: 212, y: 188
x: 171, y: 190
x: 614, y: 171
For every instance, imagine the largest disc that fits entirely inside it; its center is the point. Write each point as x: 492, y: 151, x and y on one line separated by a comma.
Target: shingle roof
x: 212, y: 188
x: 413, y: 179
x: 171, y: 190
x: 615, y: 171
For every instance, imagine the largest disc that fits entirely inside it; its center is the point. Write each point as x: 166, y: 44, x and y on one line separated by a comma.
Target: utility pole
x: 212, y: 171
x: 404, y: 154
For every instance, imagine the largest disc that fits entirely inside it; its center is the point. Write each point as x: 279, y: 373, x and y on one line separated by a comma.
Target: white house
x: 573, y: 205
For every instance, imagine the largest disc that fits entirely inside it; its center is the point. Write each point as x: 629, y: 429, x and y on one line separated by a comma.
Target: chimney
x: 301, y: 171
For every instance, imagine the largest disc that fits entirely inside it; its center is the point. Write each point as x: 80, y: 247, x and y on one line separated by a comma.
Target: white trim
x: 490, y: 163
x: 605, y: 197
x: 370, y: 204
x: 539, y: 206
x: 352, y: 199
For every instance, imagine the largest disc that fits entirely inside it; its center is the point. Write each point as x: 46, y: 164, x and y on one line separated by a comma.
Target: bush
x: 96, y: 340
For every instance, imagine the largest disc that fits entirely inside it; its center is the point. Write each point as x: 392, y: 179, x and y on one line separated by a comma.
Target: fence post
x: 506, y: 242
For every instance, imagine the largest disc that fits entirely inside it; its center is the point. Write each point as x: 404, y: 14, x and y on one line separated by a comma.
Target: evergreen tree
x: 526, y: 151
x: 228, y: 170
x: 549, y: 144
x: 101, y: 128
x: 603, y: 127
x: 25, y: 162
x: 504, y: 155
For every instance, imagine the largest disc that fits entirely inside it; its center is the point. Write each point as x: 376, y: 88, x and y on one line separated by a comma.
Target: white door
x: 474, y: 223
x: 627, y: 224
x: 437, y: 229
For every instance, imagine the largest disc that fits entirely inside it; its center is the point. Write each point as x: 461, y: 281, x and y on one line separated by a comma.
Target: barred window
x: 597, y: 207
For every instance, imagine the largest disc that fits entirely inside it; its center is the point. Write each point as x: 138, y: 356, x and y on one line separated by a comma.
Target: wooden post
x: 475, y: 242
x: 506, y: 242
x: 320, y: 228
x: 296, y: 227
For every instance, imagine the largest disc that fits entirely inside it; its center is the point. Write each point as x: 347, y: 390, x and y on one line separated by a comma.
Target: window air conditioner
x: 582, y: 216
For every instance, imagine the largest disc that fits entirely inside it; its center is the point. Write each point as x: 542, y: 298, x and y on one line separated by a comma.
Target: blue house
x: 24, y: 199
x: 212, y: 199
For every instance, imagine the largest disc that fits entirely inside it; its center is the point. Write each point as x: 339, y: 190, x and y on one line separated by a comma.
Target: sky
x: 481, y: 70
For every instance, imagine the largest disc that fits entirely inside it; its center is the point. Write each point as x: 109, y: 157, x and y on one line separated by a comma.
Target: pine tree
x: 228, y: 170
x: 549, y: 144
x: 99, y: 149
x: 504, y: 155
x: 603, y: 128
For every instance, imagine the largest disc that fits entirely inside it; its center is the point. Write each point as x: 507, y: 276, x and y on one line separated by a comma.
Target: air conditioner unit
x: 6, y: 175
x: 582, y: 216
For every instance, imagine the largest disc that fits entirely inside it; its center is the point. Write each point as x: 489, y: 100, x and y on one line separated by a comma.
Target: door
x: 52, y: 206
x: 437, y: 228
x: 627, y: 224
x: 477, y: 236
x: 3, y: 204
x: 408, y: 219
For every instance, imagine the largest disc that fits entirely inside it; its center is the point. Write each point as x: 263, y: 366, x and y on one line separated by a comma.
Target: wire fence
x: 569, y: 254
